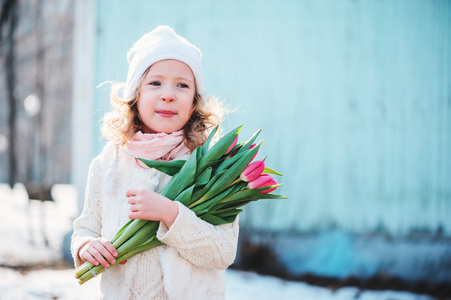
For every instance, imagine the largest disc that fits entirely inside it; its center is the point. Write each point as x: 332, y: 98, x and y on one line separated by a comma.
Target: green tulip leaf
x: 268, y: 170
x: 170, y: 167
x: 182, y: 179
x: 218, y: 150
x: 227, y: 212
x: 200, y: 192
x: 249, y: 142
x: 217, y: 220
x: 206, y: 145
x: 204, y: 178
x: 185, y: 196
x: 230, y: 174
x: 228, y: 162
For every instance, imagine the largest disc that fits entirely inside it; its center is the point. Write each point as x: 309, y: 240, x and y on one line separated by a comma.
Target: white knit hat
x: 160, y: 44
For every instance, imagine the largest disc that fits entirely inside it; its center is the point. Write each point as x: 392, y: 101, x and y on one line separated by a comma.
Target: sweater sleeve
x: 88, y: 225
x: 201, y: 243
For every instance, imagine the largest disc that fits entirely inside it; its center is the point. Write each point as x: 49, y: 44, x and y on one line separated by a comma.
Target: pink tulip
x: 273, y: 182
x: 252, y: 171
x: 263, y: 181
x: 232, y: 146
x: 252, y: 147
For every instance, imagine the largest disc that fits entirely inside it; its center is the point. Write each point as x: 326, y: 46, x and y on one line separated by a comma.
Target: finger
x: 134, y: 207
x: 105, y: 253
x: 88, y: 257
x: 134, y: 215
x: 131, y: 192
x: 100, y: 259
x: 132, y: 200
x: 109, y: 246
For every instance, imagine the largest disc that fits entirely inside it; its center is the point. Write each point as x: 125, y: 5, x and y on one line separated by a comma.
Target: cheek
x: 138, y: 104
x: 143, y: 104
x: 192, y: 108
x: 189, y: 108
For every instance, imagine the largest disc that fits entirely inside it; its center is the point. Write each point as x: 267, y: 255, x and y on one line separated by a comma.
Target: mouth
x: 166, y: 113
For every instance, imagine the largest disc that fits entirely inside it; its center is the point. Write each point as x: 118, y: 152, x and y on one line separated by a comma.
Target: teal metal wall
x: 354, y: 98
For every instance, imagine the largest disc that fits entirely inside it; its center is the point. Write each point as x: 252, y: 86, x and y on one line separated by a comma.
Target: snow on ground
x: 60, y: 284
x: 24, y: 223
x: 22, y: 244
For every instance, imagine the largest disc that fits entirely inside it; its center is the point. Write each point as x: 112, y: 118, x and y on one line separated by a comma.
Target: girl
x: 162, y: 115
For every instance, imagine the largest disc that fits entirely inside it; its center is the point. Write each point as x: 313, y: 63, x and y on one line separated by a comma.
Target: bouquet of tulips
x: 213, y: 182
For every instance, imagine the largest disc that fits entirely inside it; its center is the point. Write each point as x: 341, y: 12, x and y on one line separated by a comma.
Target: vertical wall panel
x: 354, y: 98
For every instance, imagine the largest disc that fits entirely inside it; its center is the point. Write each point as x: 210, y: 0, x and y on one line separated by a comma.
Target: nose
x: 168, y: 95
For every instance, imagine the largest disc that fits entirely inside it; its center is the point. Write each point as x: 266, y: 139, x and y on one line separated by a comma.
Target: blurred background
x: 354, y: 98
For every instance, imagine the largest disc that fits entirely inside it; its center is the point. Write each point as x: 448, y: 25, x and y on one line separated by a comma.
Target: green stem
x: 236, y: 181
x: 97, y: 270
x: 91, y: 273
x: 132, y: 228
x: 83, y: 269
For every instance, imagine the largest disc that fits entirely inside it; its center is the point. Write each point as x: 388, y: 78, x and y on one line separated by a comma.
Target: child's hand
x: 98, y: 251
x: 148, y: 205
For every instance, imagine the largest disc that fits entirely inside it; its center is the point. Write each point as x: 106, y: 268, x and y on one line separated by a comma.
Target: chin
x: 168, y: 131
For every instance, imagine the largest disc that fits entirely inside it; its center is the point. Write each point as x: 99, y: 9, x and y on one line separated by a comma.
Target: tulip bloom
x: 253, y: 171
x: 252, y: 147
x: 232, y: 146
x: 263, y: 181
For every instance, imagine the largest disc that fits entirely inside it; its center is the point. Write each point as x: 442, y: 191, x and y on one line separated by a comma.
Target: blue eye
x: 155, y: 83
x: 182, y: 85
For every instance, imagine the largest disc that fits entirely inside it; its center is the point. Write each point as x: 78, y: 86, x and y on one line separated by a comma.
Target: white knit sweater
x: 191, y: 262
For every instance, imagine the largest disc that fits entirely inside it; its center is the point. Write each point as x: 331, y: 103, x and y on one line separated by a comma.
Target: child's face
x: 166, y: 99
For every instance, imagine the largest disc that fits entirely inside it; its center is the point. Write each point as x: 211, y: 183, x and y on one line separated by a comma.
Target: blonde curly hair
x: 123, y: 121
